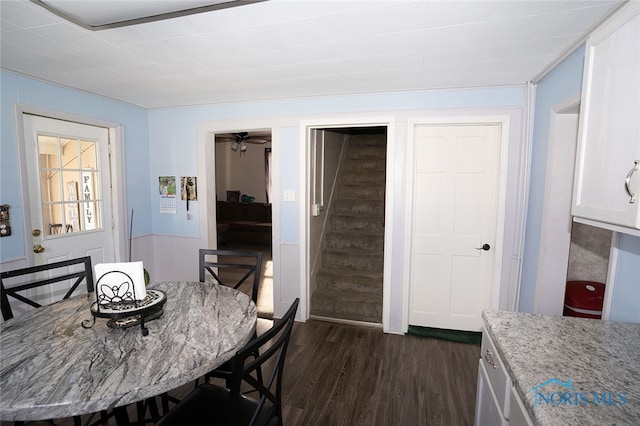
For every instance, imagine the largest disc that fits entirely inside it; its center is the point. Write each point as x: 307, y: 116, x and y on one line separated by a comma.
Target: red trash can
x: 583, y: 299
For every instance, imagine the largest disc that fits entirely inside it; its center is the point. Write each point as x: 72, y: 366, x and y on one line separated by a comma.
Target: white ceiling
x: 297, y: 48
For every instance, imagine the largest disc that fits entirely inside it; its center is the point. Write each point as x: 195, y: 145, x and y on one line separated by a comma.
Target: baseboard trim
x: 346, y: 321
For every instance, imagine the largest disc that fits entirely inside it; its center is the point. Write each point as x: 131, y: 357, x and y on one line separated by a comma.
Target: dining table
x: 53, y: 367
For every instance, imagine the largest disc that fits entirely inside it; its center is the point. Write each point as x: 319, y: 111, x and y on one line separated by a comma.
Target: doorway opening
x: 347, y: 188
x: 244, y: 202
x: 569, y: 251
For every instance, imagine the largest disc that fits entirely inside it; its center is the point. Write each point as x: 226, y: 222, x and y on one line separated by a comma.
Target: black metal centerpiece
x: 115, y: 299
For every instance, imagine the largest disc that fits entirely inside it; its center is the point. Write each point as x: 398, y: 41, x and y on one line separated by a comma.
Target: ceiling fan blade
x: 242, y: 137
x: 255, y: 140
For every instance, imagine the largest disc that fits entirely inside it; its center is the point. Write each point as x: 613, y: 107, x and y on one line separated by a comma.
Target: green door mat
x: 473, y: 337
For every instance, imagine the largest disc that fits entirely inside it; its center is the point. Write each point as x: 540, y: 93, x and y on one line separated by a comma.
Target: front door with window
x: 69, y: 190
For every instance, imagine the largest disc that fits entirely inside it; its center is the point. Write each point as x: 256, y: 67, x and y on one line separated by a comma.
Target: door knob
x: 37, y: 248
x: 485, y: 247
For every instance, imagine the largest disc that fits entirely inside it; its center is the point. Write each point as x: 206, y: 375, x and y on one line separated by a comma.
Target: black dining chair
x: 231, y: 268
x: 17, y: 283
x: 211, y: 404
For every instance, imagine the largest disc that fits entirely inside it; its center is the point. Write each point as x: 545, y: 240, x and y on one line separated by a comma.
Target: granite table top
x: 52, y: 367
x: 570, y: 371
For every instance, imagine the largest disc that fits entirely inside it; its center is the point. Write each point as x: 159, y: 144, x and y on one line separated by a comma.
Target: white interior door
x: 69, y: 190
x: 454, y: 214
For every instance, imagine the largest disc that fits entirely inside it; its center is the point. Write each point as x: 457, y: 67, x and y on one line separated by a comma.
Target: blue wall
x: 18, y: 89
x: 164, y: 142
x: 562, y: 82
x: 290, y: 179
x: 174, y: 148
x: 626, y: 294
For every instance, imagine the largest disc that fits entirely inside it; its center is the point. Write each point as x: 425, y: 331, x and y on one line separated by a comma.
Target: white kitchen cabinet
x: 518, y: 415
x: 607, y: 178
x: 488, y: 411
x: 494, y: 385
x: 497, y: 402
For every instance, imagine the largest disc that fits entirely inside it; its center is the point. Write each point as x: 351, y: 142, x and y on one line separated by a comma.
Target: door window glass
x: 69, y: 184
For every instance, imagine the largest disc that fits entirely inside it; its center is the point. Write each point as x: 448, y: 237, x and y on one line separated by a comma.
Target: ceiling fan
x: 241, y: 139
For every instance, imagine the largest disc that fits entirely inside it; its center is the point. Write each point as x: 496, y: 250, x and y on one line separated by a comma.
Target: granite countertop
x: 570, y: 371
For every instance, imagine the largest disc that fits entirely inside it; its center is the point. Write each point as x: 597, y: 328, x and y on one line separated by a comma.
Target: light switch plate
x: 289, y: 195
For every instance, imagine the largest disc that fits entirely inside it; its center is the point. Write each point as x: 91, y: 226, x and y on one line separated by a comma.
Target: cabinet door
x: 488, y: 412
x: 609, y: 136
x: 518, y: 415
x: 496, y: 373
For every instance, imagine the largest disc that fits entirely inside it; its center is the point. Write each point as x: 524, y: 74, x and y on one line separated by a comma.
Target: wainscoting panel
x: 286, y: 278
x: 168, y: 257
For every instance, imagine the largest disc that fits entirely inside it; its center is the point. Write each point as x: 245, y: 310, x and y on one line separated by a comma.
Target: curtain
x: 267, y: 173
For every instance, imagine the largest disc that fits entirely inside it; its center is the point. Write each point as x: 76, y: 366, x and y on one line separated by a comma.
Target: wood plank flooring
x: 345, y: 375
x: 338, y: 375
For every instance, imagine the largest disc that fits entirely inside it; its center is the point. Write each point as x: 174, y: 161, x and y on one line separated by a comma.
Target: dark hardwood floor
x: 345, y: 375
x: 340, y: 374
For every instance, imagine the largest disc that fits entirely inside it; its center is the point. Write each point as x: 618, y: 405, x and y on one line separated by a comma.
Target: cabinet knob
x: 627, y: 182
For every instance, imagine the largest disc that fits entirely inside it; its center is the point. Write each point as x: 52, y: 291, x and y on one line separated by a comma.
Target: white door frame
x: 504, y: 122
x: 207, y: 174
x: 555, y: 238
x: 555, y: 228
x: 305, y: 208
x: 207, y: 184
x: 116, y: 136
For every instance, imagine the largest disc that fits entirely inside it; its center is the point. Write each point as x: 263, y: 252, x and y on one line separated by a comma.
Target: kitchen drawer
x: 498, y: 378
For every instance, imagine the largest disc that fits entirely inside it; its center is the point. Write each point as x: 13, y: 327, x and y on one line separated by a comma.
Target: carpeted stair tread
x: 367, y: 151
x: 363, y: 178
x: 348, y: 279
x: 368, y: 140
x: 376, y: 165
x: 351, y: 258
x: 365, y: 224
x: 350, y: 207
x: 369, y: 242
x: 347, y: 304
x: 366, y: 192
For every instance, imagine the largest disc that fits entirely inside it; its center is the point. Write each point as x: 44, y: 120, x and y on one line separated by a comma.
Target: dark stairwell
x: 349, y: 280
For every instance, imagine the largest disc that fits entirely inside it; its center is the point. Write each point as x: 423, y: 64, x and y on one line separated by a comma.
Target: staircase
x: 349, y: 282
